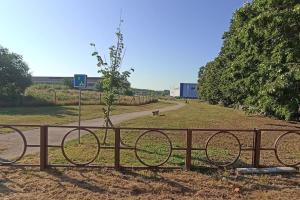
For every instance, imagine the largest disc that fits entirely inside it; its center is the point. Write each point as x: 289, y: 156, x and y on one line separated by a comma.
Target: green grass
x: 55, y: 115
x: 154, y: 149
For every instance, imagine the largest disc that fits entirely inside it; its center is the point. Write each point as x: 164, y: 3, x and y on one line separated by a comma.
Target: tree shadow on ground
x: 156, y: 178
x: 286, y: 125
x: 202, y: 159
x: 54, y: 176
x: 3, y: 188
x: 57, y: 111
x: 84, y: 184
x: 262, y: 181
x: 4, y: 181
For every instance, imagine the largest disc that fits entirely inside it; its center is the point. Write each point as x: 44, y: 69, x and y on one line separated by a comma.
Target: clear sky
x: 166, y: 40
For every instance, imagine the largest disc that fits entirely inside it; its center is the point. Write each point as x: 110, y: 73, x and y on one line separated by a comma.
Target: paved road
x: 11, y: 144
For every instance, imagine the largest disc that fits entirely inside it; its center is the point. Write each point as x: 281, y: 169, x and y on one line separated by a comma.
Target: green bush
x: 14, y: 76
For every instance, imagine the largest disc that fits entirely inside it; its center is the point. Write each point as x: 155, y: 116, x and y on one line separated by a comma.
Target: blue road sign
x: 80, y: 80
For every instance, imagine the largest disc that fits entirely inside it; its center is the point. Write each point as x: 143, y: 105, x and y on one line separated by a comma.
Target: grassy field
x: 202, y: 183
x: 61, y: 95
x: 64, y: 114
x: 154, y: 147
x: 49, y: 95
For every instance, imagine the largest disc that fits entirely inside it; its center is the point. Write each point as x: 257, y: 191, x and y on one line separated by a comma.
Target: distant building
x: 91, y: 81
x: 188, y: 90
x: 185, y: 90
x: 175, y: 92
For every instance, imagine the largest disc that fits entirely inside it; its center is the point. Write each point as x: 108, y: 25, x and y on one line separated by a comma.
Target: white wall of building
x: 175, y: 92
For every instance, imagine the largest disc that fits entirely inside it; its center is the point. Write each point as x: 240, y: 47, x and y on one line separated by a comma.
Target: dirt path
x: 11, y: 145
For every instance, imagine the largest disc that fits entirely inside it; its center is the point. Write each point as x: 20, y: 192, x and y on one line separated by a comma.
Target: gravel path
x: 11, y: 144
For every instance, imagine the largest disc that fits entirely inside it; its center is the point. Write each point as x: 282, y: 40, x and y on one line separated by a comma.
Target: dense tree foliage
x: 14, y: 75
x: 258, y: 65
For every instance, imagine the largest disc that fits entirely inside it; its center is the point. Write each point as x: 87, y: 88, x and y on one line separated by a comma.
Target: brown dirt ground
x: 89, y: 184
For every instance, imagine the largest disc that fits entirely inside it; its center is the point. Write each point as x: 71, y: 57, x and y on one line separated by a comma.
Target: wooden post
x: 117, y: 148
x: 256, y: 147
x: 55, y: 99
x: 188, y: 156
x: 43, y: 147
x: 100, y: 97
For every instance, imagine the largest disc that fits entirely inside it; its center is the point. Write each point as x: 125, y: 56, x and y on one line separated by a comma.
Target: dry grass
x: 61, y: 95
x: 29, y: 184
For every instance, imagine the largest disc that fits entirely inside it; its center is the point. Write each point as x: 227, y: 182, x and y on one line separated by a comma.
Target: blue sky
x: 166, y: 40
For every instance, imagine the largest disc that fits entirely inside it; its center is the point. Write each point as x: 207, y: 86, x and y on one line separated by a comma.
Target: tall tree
x: 258, y: 65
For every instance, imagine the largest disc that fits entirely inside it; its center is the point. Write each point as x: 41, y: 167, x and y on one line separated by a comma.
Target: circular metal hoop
x: 276, y: 148
x: 161, y: 163
x: 24, y: 148
x: 68, y: 159
x: 215, y: 163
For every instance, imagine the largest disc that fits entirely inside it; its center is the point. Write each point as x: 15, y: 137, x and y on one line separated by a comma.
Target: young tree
x: 113, y: 78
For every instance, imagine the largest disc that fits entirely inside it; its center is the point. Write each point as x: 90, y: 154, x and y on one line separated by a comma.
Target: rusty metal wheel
x: 217, y: 163
x: 167, y: 140
x: 69, y: 159
x: 277, y: 144
x: 23, y: 150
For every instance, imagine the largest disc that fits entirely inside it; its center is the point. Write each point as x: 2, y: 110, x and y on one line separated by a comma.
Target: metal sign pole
x: 80, y: 82
x: 79, y: 115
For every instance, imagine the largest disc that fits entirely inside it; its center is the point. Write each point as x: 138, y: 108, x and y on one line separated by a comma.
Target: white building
x: 175, y: 91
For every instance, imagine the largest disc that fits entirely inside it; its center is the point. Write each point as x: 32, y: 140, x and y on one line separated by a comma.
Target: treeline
x: 146, y: 92
x: 258, y: 66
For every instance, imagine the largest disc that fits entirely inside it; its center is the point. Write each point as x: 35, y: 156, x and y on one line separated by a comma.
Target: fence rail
x: 186, y: 141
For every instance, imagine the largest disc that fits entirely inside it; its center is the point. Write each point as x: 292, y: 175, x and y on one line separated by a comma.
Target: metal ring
x: 161, y: 163
x: 24, y: 148
x: 65, y: 155
x: 215, y: 163
x: 276, y: 149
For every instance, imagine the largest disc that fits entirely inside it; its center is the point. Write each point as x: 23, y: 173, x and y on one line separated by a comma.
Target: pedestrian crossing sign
x: 80, y: 80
